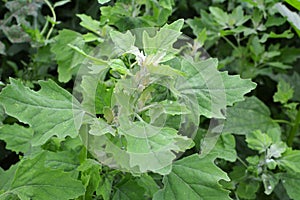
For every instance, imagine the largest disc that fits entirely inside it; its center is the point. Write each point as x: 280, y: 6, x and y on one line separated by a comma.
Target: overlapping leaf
x: 50, y: 111
x: 17, y: 138
x: 151, y: 148
x: 213, y: 90
x: 33, y: 181
x: 68, y: 60
x: 193, y: 178
x: 248, y: 116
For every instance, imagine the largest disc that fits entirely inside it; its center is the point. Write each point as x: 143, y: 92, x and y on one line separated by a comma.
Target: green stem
x: 282, y: 121
x: 294, y: 130
x: 54, y: 19
x: 241, y: 161
x: 229, y: 42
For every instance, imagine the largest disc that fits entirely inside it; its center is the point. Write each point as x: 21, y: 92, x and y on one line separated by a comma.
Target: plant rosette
x: 142, y: 94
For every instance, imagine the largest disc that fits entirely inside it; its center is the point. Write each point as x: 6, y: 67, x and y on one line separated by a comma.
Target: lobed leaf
x: 16, y: 137
x: 50, y: 112
x: 32, y: 180
x: 67, y: 59
x: 248, y: 116
x: 193, y: 178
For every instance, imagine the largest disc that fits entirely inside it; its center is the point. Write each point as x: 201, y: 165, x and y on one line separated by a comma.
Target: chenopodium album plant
x: 135, y: 108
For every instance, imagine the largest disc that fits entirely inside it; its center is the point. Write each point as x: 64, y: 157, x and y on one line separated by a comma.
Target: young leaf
x: 17, y: 138
x: 163, y: 40
x: 89, y: 23
x: 50, y: 111
x: 270, y: 181
x: 276, y: 150
x: 123, y: 41
x: 258, y: 141
x: 284, y: 92
x: 32, y: 180
x: 220, y: 16
x: 247, y: 116
x: 193, y: 178
x: 293, y: 81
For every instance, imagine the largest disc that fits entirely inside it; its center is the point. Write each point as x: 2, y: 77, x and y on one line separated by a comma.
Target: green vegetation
x: 158, y: 99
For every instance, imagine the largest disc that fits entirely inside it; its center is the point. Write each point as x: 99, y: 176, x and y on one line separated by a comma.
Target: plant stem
x: 54, y: 19
x: 230, y: 43
x: 282, y: 121
x: 294, y: 130
x: 241, y: 161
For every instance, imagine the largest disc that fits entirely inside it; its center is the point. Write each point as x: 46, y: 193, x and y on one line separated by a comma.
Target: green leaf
x: 274, y: 21
x: 193, y: 178
x: 248, y: 116
x: 105, y: 186
x: 103, y: 1
x: 247, y: 190
x: 225, y: 148
x: 2, y: 48
x: 96, y: 94
x: 119, y: 66
x: 149, y: 184
x: 270, y: 181
x: 279, y: 65
x: 90, y: 177
x: 290, y: 160
x: 220, y: 16
x: 276, y: 150
x: 163, y: 40
x: 123, y: 41
x: 258, y: 141
x: 16, y: 137
x: 100, y: 127
x: 89, y: 23
x: 294, y: 3
x: 63, y: 160
x: 213, y: 90
x: 50, y: 111
x: 168, y: 107
x: 291, y: 183
x: 32, y: 180
x: 163, y: 70
x: 286, y: 34
x: 146, y: 142
x: 7, y: 178
x: 67, y: 59
x: 129, y: 190
x: 284, y: 92
x: 292, y: 17
x: 294, y: 81
x: 61, y: 3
